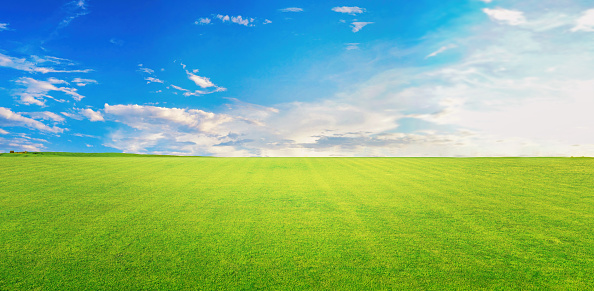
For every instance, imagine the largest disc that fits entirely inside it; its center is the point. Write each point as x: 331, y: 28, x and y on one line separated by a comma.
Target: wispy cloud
x: 585, y: 22
x: 511, y: 17
x: 152, y: 80
x: 83, y: 82
x: 3, y: 26
x: 267, y: 21
x: 116, y: 41
x: 354, y: 10
x: 441, y: 50
x: 9, y: 118
x: 36, y: 91
x: 74, y: 9
x: 291, y: 9
x: 352, y: 46
x: 32, y: 66
x: 143, y: 69
x: 22, y: 142
x: 358, y: 25
x: 44, y: 115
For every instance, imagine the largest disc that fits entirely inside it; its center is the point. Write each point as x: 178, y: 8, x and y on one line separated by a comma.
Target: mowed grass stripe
x: 295, y: 223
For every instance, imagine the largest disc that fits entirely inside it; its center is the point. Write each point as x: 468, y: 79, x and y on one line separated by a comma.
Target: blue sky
x: 298, y: 78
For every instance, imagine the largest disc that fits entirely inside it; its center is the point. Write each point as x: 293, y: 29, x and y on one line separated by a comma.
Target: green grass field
x: 126, y: 222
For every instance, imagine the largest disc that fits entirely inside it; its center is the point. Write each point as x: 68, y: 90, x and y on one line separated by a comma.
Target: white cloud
x: 22, y: 143
x: 440, y: 50
x: 236, y: 19
x: 9, y: 118
x: 200, y: 81
x: 354, y: 10
x: 23, y: 64
x: 74, y: 116
x: 291, y: 9
x: 74, y: 9
x: 352, y: 46
x: 497, y: 98
x: 223, y: 18
x: 585, y: 22
x: 83, y: 82
x: 3, y: 26
x: 145, y: 70
x: 266, y: 21
x: 44, y: 115
x: 358, y: 25
x: 36, y: 91
x: 2, y: 131
x: 152, y: 80
x: 239, y: 20
x: 487, y: 1
x: 511, y: 17
x: 91, y: 115
x: 203, y: 21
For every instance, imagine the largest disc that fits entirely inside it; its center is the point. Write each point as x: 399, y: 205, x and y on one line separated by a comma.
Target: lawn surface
x: 125, y: 222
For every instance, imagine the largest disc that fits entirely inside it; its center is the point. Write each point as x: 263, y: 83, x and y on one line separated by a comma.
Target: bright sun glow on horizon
x: 301, y: 78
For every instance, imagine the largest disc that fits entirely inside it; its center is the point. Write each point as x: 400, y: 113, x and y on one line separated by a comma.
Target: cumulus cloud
x: 585, y: 22
x: 358, y: 25
x: 91, y: 115
x: 291, y: 9
x: 266, y: 21
x: 511, y: 17
x: 200, y: 81
x: 203, y: 21
x: 36, y: 91
x: 8, y: 118
x: 236, y: 19
x: 354, y: 10
x: 510, y: 92
x: 3, y: 26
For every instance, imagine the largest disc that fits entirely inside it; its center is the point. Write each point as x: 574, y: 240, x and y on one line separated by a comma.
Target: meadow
x: 99, y: 222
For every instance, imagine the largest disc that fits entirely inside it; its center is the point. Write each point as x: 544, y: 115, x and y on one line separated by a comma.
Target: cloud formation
x: 511, y: 17
x: 585, y: 22
x: 8, y: 118
x: 291, y: 9
x: 440, y: 50
x: 236, y: 19
x: 3, y: 26
x: 354, y: 10
x: 83, y: 82
x: 36, y: 91
x: 203, y: 21
x: 91, y: 115
x: 32, y: 66
x: 358, y: 25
